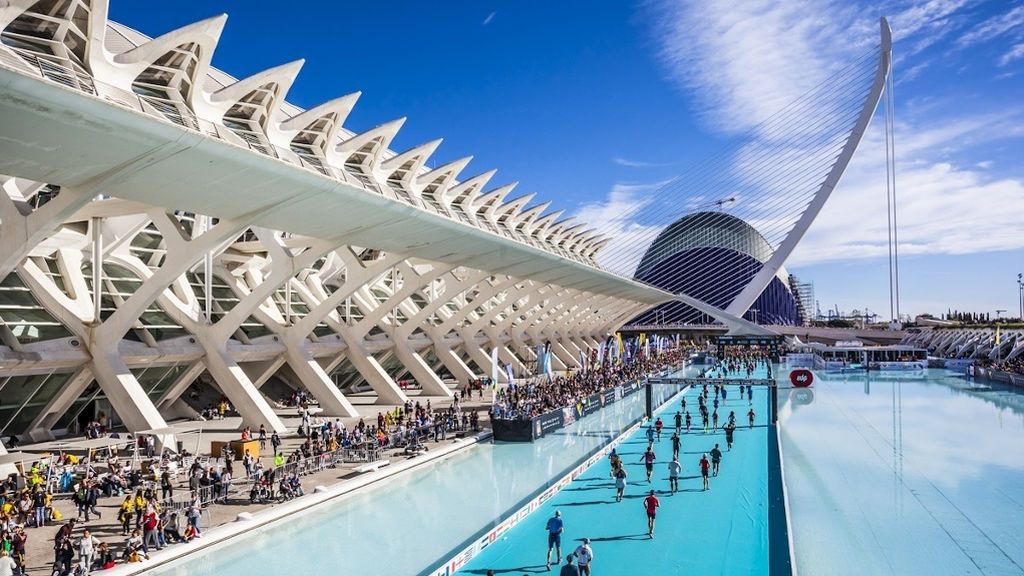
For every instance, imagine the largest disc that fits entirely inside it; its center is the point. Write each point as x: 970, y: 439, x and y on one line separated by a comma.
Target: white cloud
x: 1014, y: 53
x: 1011, y: 22
x: 616, y: 217
x: 489, y: 18
x: 639, y: 163
x: 943, y: 208
x: 745, y: 61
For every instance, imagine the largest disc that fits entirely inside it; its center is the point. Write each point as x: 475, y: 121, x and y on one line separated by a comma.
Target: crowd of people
x: 1015, y: 366
x: 540, y: 394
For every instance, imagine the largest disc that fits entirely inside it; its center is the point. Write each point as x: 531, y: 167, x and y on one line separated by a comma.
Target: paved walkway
x: 720, y: 531
x: 108, y: 529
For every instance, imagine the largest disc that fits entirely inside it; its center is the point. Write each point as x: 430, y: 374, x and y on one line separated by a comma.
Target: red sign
x: 801, y: 378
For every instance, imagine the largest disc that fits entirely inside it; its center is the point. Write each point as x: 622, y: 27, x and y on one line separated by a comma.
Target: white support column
x: 421, y: 319
x: 323, y: 307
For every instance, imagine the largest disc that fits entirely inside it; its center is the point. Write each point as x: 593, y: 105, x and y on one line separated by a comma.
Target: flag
x: 600, y: 353
x: 999, y: 335
x: 583, y: 361
x: 494, y: 367
x: 508, y: 372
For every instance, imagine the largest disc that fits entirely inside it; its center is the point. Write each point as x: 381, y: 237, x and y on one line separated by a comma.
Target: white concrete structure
x: 169, y: 233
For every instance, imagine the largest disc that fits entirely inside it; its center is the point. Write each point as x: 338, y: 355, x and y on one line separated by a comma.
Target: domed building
x: 689, y: 257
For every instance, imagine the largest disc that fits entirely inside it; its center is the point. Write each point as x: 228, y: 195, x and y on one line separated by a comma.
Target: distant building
x: 688, y: 258
x: 805, y: 302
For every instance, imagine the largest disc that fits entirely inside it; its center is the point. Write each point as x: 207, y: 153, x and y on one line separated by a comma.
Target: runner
x: 732, y: 419
x: 658, y: 425
x: 704, y: 465
x: 674, y: 468
x: 648, y: 460
x: 568, y: 570
x: 750, y: 417
x: 675, y: 445
x: 716, y: 459
x: 750, y: 395
x: 688, y: 422
x: 615, y: 460
x: 554, y: 528
x: 679, y: 422
x: 729, y: 429
x: 584, y: 556
x: 704, y: 419
x: 724, y: 394
x: 620, y: 482
x: 651, y: 505
x: 650, y: 434
x: 714, y: 419
x: 683, y: 404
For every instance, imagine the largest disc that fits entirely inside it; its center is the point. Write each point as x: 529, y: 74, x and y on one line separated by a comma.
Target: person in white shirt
x: 674, y: 468
x: 87, y: 550
x: 7, y: 564
x: 584, y: 556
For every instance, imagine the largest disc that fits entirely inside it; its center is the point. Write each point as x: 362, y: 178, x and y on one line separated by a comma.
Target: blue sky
x: 575, y: 100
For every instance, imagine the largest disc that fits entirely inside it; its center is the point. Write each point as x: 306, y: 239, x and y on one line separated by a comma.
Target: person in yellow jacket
x: 125, y: 513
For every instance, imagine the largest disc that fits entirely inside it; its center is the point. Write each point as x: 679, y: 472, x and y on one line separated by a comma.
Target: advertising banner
x: 547, y: 423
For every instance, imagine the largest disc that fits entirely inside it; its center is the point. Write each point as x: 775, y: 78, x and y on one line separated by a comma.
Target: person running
x: 584, y: 557
x: 704, y: 420
x: 674, y: 468
x: 615, y: 460
x: 648, y: 459
x: 689, y: 421
x: 750, y: 395
x: 732, y: 418
x: 724, y: 395
x: 715, y: 403
x: 620, y: 482
x: 704, y: 466
x: 716, y: 459
x: 554, y: 528
x: 750, y: 418
x: 651, y: 505
x: 679, y: 422
x: 683, y: 404
x: 714, y: 419
x: 742, y: 387
x: 658, y: 425
x: 676, y: 443
x: 569, y: 569
x: 650, y: 434
x: 729, y: 429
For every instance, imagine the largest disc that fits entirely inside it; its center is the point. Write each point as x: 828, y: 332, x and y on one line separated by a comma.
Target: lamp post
x: 754, y: 310
x: 1020, y: 294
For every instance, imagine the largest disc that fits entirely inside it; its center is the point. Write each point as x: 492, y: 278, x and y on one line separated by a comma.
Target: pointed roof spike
x: 283, y: 75
x: 420, y: 153
x: 494, y: 197
x: 452, y: 169
x: 476, y: 183
x: 204, y: 32
x: 387, y: 130
x: 342, y: 106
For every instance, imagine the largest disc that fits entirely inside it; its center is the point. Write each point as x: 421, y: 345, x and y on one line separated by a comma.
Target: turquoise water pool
x: 905, y: 474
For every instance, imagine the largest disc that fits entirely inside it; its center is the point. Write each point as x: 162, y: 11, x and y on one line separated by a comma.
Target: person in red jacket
x: 704, y: 466
x: 651, y: 504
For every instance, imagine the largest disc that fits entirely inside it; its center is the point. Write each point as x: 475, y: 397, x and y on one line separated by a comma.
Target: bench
x: 371, y: 466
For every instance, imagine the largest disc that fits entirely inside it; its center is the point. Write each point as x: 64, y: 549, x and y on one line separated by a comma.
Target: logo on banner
x: 801, y: 378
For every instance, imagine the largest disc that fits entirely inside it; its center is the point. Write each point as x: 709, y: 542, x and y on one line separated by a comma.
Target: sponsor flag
x: 494, y: 368
x: 508, y: 372
x: 583, y: 361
